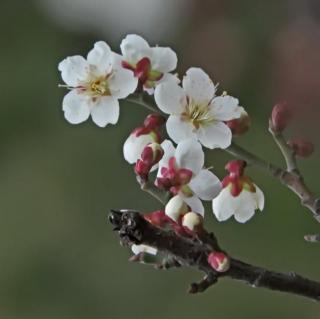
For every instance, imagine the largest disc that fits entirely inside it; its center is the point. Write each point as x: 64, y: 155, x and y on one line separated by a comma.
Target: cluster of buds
x: 184, y: 221
x: 141, y: 136
x: 143, y: 148
x: 150, y: 156
x: 281, y: 116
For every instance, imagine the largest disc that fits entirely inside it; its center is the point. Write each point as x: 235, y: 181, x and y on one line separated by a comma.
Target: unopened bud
x: 136, y: 142
x: 241, y: 125
x: 152, y: 154
x: 157, y: 218
x: 192, y: 221
x: 219, y: 261
x: 236, y: 167
x: 301, y: 147
x: 176, y: 207
x: 153, y: 121
x: 142, y: 169
x: 280, y: 117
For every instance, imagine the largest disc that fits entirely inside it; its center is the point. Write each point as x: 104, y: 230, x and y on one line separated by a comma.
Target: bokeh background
x: 59, y: 257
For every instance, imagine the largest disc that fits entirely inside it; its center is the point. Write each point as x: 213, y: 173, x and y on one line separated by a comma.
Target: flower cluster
x: 194, y: 116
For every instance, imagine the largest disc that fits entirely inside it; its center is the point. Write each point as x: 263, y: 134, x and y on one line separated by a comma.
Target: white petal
x: 168, y: 77
x: 169, y: 151
x: 242, y: 215
x: 205, y: 185
x: 225, y: 108
x: 133, y: 146
x: 195, y: 203
x: 198, y: 85
x: 163, y: 59
x: 76, y: 107
x: 134, y: 48
x: 189, y: 154
x: 215, y: 135
x: 259, y: 198
x: 74, y: 70
x: 101, y: 58
x: 105, y: 111
x: 122, y: 83
x: 137, y: 249
x: 245, y: 204
x: 170, y: 97
x: 223, y: 206
x: 179, y: 130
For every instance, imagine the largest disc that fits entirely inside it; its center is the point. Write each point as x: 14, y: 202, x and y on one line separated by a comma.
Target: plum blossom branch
x: 291, y: 178
x: 193, y: 252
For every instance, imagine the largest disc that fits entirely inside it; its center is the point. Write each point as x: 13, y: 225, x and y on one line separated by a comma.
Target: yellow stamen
x: 197, y: 114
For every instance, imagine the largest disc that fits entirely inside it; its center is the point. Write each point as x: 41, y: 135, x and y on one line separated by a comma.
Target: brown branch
x: 193, y: 252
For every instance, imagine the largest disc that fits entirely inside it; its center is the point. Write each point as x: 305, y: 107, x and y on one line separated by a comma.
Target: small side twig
x: 155, y: 192
x: 286, y: 151
x: 134, y: 229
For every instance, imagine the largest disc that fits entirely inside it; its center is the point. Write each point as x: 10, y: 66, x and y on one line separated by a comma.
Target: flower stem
x: 155, y: 192
x: 254, y: 160
x: 141, y: 100
x: 286, y: 151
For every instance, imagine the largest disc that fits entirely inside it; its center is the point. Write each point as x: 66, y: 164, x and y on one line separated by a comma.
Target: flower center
x: 237, y: 184
x: 175, y: 179
x: 197, y: 114
x: 99, y: 87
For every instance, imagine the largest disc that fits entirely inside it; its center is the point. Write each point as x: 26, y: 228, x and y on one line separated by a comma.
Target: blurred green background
x: 59, y: 257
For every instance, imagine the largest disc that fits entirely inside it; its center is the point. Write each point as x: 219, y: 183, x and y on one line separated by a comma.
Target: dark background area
x: 59, y: 257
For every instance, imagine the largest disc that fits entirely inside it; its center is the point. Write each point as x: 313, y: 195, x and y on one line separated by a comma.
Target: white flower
x: 242, y: 206
x: 195, y: 111
x: 151, y: 65
x: 181, y: 172
x: 96, y: 84
x: 138, y: 249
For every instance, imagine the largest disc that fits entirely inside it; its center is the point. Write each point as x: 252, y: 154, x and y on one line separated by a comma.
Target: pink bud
x: 157, y: 218
x: 153, y: 121
x: 236, y: 167
x: 301, y: 147
x: 142, y: 70
x: 219, y: 261
x: 280, y: 117
x: 152, y: 154
x: 142, y: 169
x: 241, y: 125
